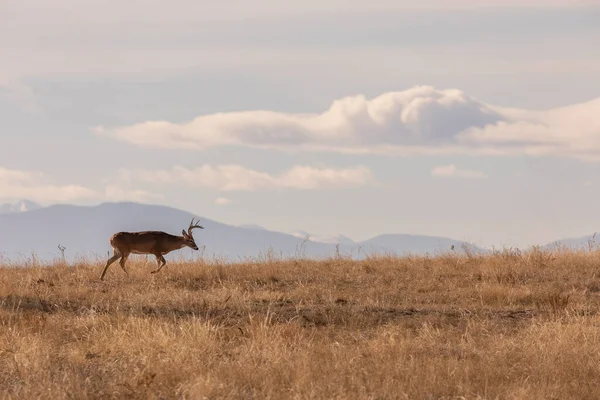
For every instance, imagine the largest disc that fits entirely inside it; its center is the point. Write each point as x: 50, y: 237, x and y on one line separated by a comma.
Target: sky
x: 475, y: 120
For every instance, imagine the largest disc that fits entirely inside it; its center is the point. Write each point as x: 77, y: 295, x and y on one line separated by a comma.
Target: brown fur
x: 157, y: 243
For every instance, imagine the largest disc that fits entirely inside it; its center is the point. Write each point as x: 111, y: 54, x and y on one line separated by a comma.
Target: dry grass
x: 506, y: 326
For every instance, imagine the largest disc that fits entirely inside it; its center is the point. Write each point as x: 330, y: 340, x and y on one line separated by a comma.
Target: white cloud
x: 32, y: 185
x: 14, y: 176
x: 238, y: 178
x: 35, y: 186
x: 117, y: 193
x: 160, y: 37
x: 420, y: 120
x: 451, y: 171
x: 93, y: 13
x: 418, y: 116
x: 572, y: 131
x: 19, y: 93
x: 222, y: 201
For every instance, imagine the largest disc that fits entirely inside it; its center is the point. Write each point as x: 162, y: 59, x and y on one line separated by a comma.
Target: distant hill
x: 85, y: 232
x: 576, y: 243
x: 414, y: 244
x: 341, y: 239
x: 253, y: 226
x: 19, y: 206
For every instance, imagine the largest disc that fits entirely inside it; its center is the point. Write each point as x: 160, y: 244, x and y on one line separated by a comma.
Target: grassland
x: 505, y: 326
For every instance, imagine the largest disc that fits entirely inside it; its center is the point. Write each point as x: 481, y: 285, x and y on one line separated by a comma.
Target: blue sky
x: 477, y: 120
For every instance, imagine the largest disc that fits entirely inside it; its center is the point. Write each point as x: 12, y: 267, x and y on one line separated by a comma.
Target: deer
x: 157, y: 243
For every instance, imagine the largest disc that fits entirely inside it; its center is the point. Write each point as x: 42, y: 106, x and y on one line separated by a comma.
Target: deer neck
x: 181, y: 242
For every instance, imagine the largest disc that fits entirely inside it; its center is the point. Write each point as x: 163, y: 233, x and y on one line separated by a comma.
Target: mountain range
x: 29, y: 231
x: 19, y: 206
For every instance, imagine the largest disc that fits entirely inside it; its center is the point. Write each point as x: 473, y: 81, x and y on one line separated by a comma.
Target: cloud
x: 222, y: 201
x: 418, y: 116
x: 420, y: 120
x: 13, y: 176
x: 33, y: 185
x: 572, y: 131
x: 20, y: 94
x: 16, y: 184
x: 450, y: 171
x: 116, y: 193
x: 238, y: 178
x: 371, y: 39
x: 95, y: 12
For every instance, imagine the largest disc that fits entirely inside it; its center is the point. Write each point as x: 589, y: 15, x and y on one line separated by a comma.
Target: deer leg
x: 110, y: 261
x: 122, y: 262
x: 161, y: 263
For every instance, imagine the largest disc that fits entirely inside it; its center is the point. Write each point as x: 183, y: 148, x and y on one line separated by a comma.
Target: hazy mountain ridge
x: 584, y: 242
x: 19, y: 206
x: 341, y: 239
x: 416, y: 243
x: 85, y: 232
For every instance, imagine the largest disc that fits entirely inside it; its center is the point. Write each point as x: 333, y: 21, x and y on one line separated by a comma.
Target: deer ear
x: 184, y: 233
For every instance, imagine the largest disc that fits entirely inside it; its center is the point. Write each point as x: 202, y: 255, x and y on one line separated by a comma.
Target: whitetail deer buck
x: 157, y: 243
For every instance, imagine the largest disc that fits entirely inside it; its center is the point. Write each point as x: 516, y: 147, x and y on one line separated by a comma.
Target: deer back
x: 146, y: 242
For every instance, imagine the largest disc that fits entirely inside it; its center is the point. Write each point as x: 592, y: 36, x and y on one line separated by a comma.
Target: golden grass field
x: 505, y: 326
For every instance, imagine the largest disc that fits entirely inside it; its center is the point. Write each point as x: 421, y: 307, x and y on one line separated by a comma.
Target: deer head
x: 189, y: 239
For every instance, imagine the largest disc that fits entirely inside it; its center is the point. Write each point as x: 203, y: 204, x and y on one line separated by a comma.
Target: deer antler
x: 192, y: 226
